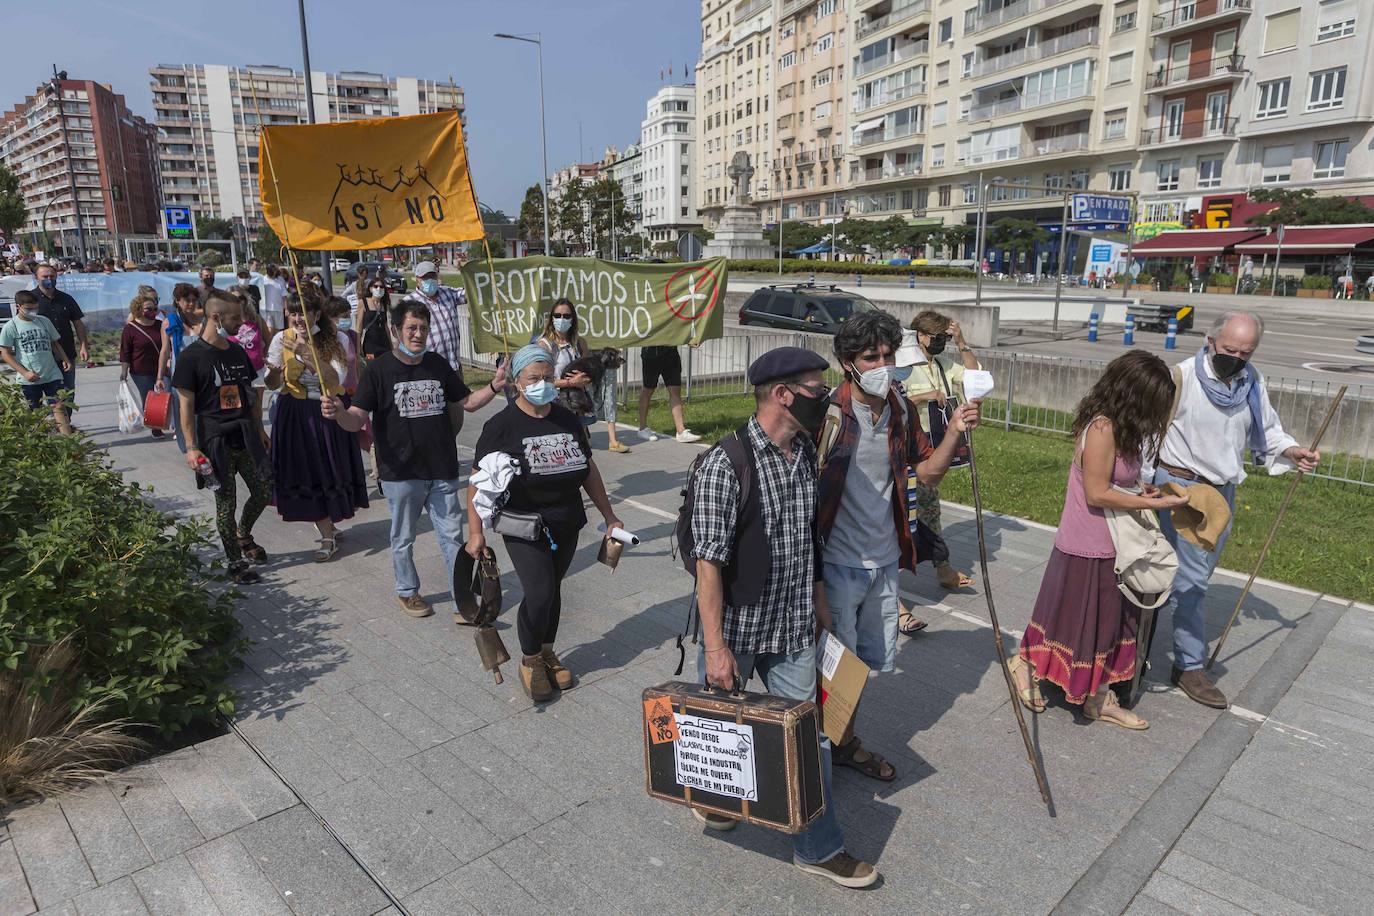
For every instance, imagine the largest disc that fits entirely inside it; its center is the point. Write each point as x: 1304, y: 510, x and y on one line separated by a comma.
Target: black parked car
x: 804, y: 307
x: 394, y: 281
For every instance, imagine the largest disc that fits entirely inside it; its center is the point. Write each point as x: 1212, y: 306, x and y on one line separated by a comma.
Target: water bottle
x: 207, y: 472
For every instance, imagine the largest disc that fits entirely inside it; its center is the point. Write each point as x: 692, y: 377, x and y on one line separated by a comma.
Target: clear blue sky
x: 601, y: 60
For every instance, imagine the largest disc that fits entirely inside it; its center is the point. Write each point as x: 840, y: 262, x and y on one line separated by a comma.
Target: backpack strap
x: 830, y: 433
x: 1177, y: 373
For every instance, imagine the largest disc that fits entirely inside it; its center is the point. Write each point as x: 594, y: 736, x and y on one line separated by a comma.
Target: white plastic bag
x: 129, y: 407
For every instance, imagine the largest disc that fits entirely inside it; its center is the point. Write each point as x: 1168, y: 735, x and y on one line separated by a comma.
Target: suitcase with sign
x: 752, y: 756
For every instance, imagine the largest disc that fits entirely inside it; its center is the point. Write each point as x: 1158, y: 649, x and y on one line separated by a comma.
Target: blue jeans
x: 863, y: 608
x: 794, y: 677
x: 407, y: 498
x: 1195, y: 567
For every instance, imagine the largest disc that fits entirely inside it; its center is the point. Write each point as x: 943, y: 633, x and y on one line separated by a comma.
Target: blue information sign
x: 178, y: 222
x: 1101, y: 208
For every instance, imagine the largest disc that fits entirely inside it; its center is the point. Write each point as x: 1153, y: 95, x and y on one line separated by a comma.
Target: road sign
x: 179, y: 225
x: 1101, y: 208
x: 689, y: 247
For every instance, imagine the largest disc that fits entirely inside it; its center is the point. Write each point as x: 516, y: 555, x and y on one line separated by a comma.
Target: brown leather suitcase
x: 753, y: 756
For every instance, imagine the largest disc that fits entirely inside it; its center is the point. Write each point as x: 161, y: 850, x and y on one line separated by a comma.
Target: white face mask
x: 877, y: 381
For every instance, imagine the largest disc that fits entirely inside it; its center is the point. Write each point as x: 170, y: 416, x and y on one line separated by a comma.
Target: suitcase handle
x: 737, y: 691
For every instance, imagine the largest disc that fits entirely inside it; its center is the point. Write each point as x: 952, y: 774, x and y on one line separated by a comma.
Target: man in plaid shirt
x: 776, y: 636
x: 442, y: 302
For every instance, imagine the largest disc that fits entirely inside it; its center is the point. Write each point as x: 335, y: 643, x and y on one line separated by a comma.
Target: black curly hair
x: 865, y: 331
x: 1135, y: 392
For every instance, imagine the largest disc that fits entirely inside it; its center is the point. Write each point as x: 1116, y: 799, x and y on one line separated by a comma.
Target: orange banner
x: 368, y: 184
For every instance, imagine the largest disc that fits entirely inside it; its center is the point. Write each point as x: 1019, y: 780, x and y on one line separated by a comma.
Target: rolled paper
x: 620, y: 534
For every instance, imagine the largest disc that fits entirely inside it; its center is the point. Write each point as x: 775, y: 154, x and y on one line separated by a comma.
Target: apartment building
x: 667, y: 143
x: 208, y: 117
x: 734, y: 89
x: 1253, y: 93
x: 628, y: 172
x: 92, y: 142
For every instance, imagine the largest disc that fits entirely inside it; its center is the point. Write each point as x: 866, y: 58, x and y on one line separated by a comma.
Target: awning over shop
x: 1311, y: 240
x: 1192, y: 242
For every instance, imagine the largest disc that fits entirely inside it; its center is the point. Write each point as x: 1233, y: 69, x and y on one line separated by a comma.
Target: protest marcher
x: 415, y: 401
x: 250, y: 289
x: 1082, y: 633
x: 182, y: 327
x: 61, y: 309
x: 336, y: 310
x: 253, y: 335
x: 207, y: 283
x: 1223, y: 409
x: 30, y: 346
x: 861, y: 516
x: 556, y: 465
x: 370, y: 317
x: 932, y: 388
x: 108, y: 266
x: 140, y: 346
x: 442, y: 302
x: 604, y: 397
x: 356, y: 292
x: 775, y: 637
x: 662, y: 363
x: 317, y: 468
x: 274, y: 299
x: 213, y: 380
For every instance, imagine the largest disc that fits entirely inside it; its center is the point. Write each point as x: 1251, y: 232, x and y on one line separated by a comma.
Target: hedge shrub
x: 83, y: 554
x: 1315, y: 281
x: 802, y: 266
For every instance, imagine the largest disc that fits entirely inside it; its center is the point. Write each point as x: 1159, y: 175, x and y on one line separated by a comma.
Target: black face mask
x: 1227, y: 366
x: 937, y: 345
x: 808, y: 411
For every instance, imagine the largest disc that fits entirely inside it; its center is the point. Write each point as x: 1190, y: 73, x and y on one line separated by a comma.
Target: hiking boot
x: 534, y: 677
x: 842, y: 868
x: 718, y: 822
x: 1199, y: 688
x: 414, y: 605
x: 560, y: 676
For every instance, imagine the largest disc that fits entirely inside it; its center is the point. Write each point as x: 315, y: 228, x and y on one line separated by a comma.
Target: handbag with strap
x: 1145, y: 563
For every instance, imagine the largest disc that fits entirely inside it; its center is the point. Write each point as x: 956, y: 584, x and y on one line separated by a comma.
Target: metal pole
x: 1278, y: 255
x: 71, y: 171
x: 1130, y: 247
x: 310, y: 119
x: 1063, y: 249
x: 834, y: 224
x: 543, y: 142
x: 979, y: 241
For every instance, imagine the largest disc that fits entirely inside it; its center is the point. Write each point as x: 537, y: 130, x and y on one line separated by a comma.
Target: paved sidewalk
x: 460, y: 797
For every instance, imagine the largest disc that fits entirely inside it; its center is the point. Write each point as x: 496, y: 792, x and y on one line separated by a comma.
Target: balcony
x: 714, y: 51
x: 1217, y: 70
x: 1067, y: 93
x: 896, y: 95
x: 1188, y: 15
x: 837, y: 151
x: 1035, y: 149
x: 1080, y: 39
x: 883, y: 135
x: 757, y: 6
x: 984, y: 21
x: 903, y: 52
x: 806, y: 157
x: 1190, y: 132
x: 885, y: 172
x: 900, y: 14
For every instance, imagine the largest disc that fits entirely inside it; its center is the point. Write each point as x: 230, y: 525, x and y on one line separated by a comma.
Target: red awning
x: 1311, y: 240
x: 1192, y: 242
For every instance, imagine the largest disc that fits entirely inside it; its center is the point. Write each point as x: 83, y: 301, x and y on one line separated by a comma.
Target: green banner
x: 618, y: 305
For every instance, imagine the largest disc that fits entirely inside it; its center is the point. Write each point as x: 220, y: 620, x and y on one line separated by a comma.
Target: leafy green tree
x: 531, y: 221
x: 570, y: 207
x: 1019, y: 236
x: 12, y: 208
x: 853, y: 236
x: 887, y: 235
x: 605, y: 203
x: 211, y: 227
x: 1302, y: 207
x: 267, y: 247
x: 952, y: 238
x: 796, y: 235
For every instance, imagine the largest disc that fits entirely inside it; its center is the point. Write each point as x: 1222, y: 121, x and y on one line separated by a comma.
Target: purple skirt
x: 316, y: 464
x: 1083, y: 630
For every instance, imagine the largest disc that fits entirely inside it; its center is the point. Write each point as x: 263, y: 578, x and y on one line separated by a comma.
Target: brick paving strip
x: 460, y: 797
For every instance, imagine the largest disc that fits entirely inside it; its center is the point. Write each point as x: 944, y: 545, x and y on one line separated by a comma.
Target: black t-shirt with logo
x: 61, y: 310
x: 410, y: 423
x: 221, y: 381
x: 554, y: 455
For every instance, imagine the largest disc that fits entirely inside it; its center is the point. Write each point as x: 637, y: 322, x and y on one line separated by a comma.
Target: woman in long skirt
x: 316, y: 464
x: 1082, y: 634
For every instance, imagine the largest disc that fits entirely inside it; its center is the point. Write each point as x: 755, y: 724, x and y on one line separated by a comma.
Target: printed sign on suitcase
x: 716, y: 756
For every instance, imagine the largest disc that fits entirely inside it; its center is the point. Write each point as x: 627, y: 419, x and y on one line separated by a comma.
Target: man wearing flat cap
x: 758, y: 586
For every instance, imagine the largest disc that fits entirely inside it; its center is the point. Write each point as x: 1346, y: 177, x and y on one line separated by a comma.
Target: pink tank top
x: 1083, y: 528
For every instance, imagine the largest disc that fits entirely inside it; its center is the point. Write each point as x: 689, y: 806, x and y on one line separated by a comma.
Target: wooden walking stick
x: 1273, y: 529
x: 1040, y: 779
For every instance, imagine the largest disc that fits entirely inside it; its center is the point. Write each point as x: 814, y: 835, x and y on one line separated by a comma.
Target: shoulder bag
x: 1145, y: 563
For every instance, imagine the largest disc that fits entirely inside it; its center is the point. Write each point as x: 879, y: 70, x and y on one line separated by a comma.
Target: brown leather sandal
x: 842, y: 755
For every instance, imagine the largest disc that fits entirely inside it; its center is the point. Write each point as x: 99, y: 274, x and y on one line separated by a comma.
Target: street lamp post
x: 538, y: 42
x: 325, y: 273
x: 57, y: 77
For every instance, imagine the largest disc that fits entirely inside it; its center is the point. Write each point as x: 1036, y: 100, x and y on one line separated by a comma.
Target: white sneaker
x: 687, y: 436
x: 648, y: 435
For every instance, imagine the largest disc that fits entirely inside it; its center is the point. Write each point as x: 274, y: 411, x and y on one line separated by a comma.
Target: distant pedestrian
x: 250, y: 289
x: 663, y: 363
x: 30, y: 345
x: 140, y: 346
x: 207, y: 283
x: 181, y: 327
x: 445, y: 336
x: 66, y: 316
x: 274, y: 299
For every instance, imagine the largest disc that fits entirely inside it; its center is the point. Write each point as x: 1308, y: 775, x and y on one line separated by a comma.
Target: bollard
x: 1092, y: 328
x: 1129, y: 339
x: 910, y: 281
x: 859, y: 279
x: 1171, y: 338
x: 813, y: 278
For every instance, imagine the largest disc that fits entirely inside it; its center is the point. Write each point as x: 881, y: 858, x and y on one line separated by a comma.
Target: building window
x: 965, y: 107
x: 825, y: 42
x: 970, y: 193
x: 966, y: 65
x: 922, y: 198
x: 1281, y: 31
x: 826, y: 8
x: 1119, y: 69
x: 937, y: 155
x: 1078, y: 179
x: 1326, y: 89
x: 1273, y: 98
x: 1277, y: 164
x: 1125, y: 18
x: 939, y: 114
x: 945, y: 191
x: 822, y: 78
x: 1114, y: 124
x: 1329, y: 162
x: 1209, y: 173
x: 1335, y: 19
x: 821, y: 111
x: 787, y: 61
x: 1054, y: 181
x: 946, y: 30
x: 1166, y: 175
x: 942, y: 73
x: 1119, y: 178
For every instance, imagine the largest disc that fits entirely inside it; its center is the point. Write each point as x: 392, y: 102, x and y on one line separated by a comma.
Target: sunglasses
x: 815, y: 391
x: 562, y: 314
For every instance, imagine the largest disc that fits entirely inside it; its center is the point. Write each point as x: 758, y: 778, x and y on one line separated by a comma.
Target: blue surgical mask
x: 562, y: 325
x: 900, y: 373
x: 429, y: 287
x: 47, y: 284
x: 345, y: 323
x: 540, y: 393
x: 413, y: 354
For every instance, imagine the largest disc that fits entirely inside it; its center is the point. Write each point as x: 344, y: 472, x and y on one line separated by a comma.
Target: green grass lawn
x: 1326, y: 542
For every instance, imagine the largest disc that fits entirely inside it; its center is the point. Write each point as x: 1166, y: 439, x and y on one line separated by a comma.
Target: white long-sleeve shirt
x: 1212, y: 441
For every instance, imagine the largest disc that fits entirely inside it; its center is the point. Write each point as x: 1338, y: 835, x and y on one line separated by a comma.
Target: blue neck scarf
x: 1244, y: 389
